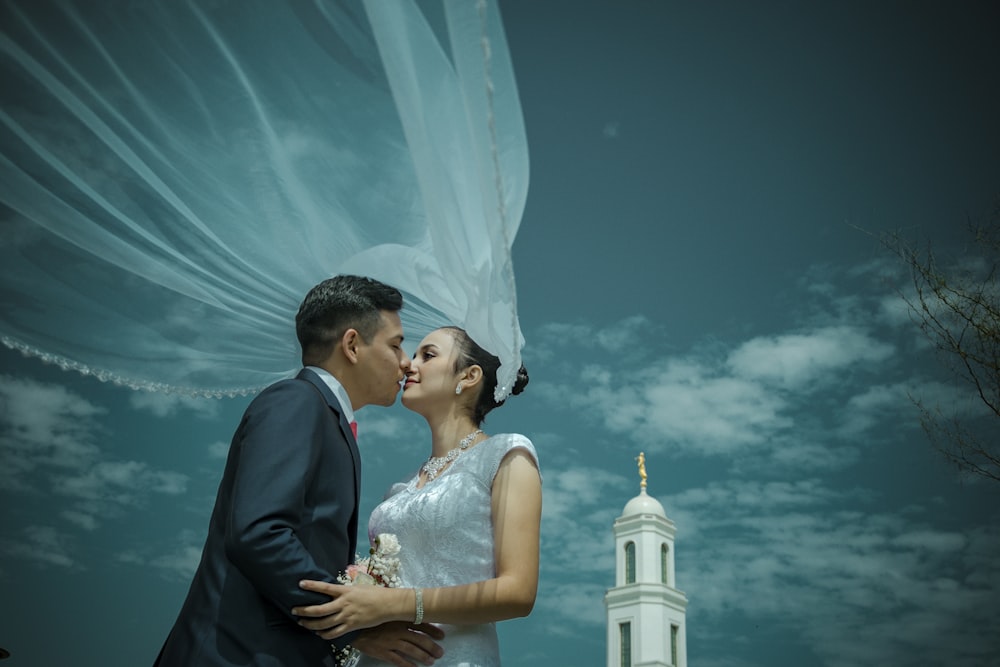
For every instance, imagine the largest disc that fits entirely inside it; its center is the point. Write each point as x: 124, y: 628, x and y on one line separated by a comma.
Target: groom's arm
x: 401, y: 644
x: 282, y: 444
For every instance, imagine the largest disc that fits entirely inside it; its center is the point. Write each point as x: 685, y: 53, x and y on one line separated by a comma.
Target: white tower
x: 646, y: 612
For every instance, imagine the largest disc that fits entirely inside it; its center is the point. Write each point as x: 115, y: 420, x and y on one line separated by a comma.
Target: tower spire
x: 646, y: 612
x: 642, y: 470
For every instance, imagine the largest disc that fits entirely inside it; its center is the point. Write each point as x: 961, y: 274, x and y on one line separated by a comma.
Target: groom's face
x: 383, y: 362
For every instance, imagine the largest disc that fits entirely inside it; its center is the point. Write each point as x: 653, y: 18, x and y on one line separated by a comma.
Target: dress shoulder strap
x: 498, y: 447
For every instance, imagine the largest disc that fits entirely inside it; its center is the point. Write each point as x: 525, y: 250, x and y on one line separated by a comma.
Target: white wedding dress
x: 445, y: 532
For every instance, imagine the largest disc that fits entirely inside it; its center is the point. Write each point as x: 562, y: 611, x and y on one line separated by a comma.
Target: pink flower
x: 380, y: 568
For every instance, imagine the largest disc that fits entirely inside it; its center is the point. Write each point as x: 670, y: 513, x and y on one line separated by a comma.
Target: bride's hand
x: 352, y: 608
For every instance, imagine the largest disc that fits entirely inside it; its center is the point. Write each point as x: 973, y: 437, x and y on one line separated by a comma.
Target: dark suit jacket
x: 286, y: 510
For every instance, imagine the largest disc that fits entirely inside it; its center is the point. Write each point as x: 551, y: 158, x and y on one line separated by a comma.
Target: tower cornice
x: 640, y: 521
x: 646, y: 594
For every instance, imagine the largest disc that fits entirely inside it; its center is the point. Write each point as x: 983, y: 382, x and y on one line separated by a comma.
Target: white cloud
x: 130, y: 557
x: 874, y: 405
x: 856, y: 584
x: 43, y: 425
x: 772, y: 540
x: 577, y: 544
x: 218, y: 450
x: 806, y: 398
x: 894, y: 311
x: 698, y: 408
x: 806, y: 360
x: 573, y: 507
x: 393, y: 442
x: 859, y: 586
x: 49, y: 439
x: 165, y: 405
x: 81, y: 519
x: 119, y: 483
x: 633, y: 338
x: 631, y: 332
x: 43, y: 545
x: 678, y: 402
x: 800, y: 454
x: 894, y: 403
x: 576, y: 606
x: 383, y: 426
x: 180, y: 563
x: 949, y: 400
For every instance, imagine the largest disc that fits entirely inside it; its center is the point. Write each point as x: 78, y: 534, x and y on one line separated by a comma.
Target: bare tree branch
x: 957, y: 307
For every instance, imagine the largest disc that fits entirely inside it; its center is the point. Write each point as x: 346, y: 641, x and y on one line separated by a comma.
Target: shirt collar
x: 337, y: 389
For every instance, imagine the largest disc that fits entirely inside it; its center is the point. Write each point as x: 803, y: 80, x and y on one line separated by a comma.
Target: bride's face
x: 431, y: 379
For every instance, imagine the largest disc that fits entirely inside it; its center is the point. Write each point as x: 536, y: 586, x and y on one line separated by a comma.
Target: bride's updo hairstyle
x: 471, y: 354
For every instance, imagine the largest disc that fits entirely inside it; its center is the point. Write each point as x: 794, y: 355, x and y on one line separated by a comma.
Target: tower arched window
x: 663, y: 563
x: 630, y: 563
x: 625, y: 644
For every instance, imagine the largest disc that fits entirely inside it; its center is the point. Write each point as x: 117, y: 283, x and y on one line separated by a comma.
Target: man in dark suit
x: 287, y: 506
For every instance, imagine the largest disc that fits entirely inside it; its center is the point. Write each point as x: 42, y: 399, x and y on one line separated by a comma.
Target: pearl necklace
x: 436, y: 464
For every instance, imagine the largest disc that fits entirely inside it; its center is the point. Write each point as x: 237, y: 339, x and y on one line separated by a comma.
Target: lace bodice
x: 445, y: 530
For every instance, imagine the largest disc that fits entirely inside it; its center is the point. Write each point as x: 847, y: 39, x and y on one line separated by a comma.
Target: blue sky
x: 694, y: 283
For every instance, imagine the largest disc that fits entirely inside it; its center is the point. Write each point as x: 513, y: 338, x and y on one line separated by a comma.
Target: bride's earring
x: 458, y: 389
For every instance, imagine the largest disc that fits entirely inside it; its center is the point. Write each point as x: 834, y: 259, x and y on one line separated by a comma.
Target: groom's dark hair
x: 338, y: 304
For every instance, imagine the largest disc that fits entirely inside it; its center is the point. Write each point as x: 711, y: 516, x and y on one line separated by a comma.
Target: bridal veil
x: 175, y: 175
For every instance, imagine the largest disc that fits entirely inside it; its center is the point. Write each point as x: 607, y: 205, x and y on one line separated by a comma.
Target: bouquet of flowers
x: 380, y: 568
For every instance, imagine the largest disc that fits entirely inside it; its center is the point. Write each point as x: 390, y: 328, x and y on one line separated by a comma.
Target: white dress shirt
x: 338, y: 391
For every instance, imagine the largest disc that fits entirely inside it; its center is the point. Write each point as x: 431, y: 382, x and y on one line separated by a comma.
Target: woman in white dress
x: 467, y: 522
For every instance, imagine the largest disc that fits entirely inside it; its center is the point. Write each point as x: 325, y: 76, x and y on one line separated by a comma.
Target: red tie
x: 354, y: 429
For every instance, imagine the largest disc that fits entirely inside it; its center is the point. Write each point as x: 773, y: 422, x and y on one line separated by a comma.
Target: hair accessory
x: 418, y: 617
x: 458, y: 389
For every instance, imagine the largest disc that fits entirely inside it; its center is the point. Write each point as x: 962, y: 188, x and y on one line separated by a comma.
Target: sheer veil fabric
x: 176, y: 175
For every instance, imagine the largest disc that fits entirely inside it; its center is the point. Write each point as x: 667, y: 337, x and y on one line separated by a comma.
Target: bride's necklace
x: 436, y: 464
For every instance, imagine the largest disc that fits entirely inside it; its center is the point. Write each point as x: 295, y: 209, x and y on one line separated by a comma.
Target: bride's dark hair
x: 470, y: 353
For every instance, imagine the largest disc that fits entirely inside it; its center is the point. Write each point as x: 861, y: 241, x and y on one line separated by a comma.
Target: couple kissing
x: 285, y: 520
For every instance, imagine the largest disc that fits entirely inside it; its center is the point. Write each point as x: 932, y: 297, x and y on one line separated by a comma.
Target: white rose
x: 364, y: 579
x: 388, y: 545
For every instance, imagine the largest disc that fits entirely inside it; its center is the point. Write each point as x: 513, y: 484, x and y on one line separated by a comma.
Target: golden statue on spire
x: 642, y: 469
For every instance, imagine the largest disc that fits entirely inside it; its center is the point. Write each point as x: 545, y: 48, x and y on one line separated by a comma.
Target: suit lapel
x: 345, y: 427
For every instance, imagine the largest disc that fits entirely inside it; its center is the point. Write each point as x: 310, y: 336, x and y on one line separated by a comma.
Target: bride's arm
x: 517, y: 508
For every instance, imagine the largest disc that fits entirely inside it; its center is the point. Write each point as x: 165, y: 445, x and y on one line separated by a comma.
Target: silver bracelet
x: 418, y: 618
